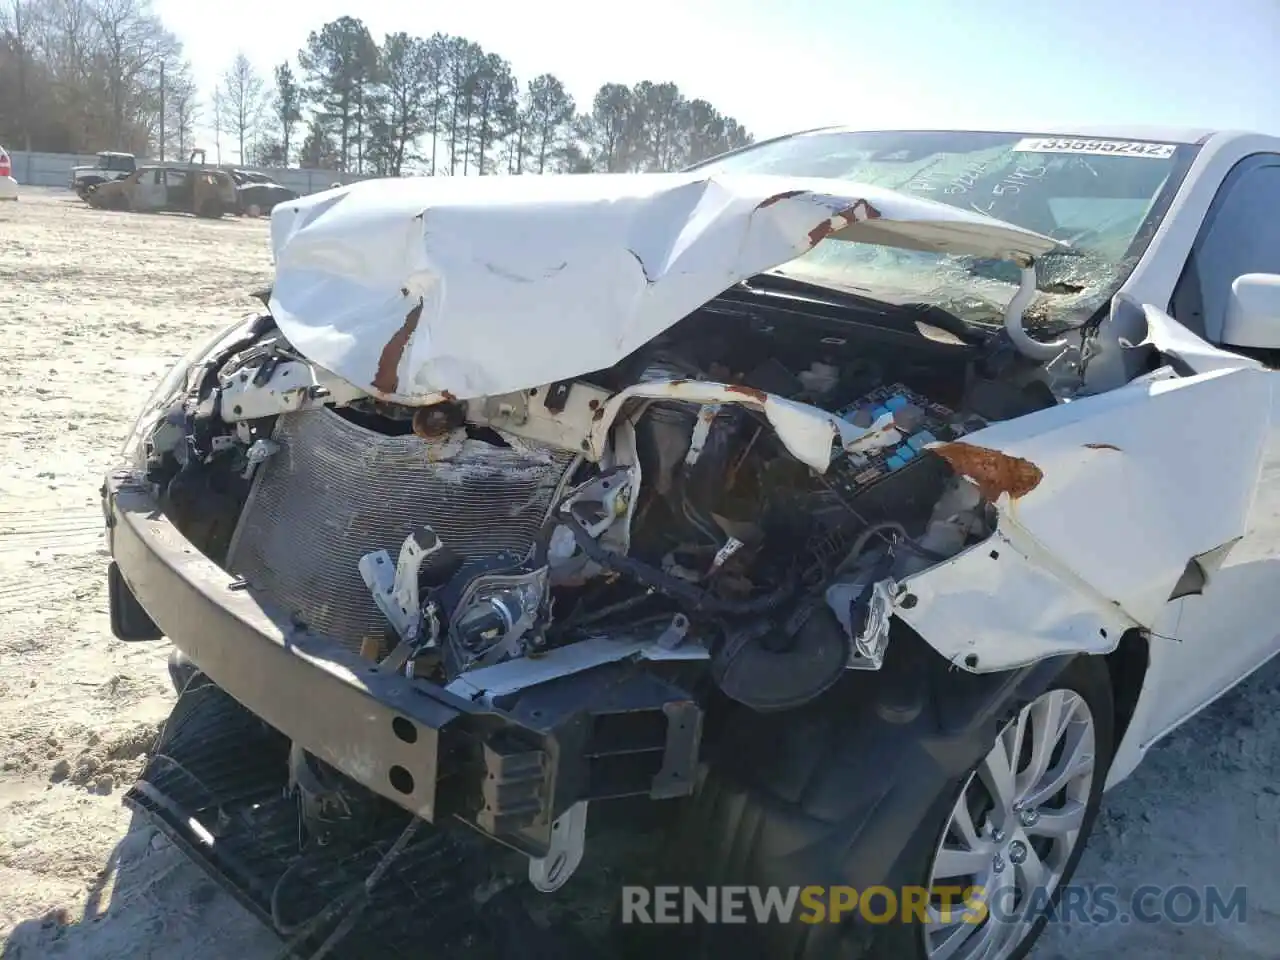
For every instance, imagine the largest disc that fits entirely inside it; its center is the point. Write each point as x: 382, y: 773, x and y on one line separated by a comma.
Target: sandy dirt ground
x: 94, y: 307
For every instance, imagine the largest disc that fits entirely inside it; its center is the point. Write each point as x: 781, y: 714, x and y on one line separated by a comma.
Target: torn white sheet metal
x: 1172, y: 339
x: 1109, y: 497
x: 290, y: 386
x: 1006, y: 603
x: 1133, y: 330
x: 419, y: 288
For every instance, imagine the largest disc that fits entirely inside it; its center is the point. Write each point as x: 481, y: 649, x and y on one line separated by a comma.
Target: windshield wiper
x: 774, y: 282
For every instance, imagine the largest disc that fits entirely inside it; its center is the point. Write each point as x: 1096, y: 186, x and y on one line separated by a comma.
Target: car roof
x: 1163, y: 134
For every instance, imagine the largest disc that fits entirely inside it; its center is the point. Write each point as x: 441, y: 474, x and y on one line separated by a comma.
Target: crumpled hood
x: 474, y: 286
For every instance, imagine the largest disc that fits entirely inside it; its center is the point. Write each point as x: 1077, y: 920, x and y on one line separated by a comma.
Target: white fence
x: 54, y: 170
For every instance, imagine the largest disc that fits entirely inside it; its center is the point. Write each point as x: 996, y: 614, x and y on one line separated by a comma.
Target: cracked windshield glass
x: 1099, y: 198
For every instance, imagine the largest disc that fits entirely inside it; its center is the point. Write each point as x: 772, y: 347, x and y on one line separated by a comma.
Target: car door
x: 151, y: 192
x: 1232, y: 626
x: 178, y: 186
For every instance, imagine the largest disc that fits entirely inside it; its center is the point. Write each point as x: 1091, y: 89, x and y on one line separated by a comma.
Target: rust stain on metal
x: 865, y: 211
x: 759, y: 396
x: 1102, y: 446
x: 431, y: 423
x: 779, y: 197
x: 599, y: 414
x: 387, y: 378
x: 857, y: 213
x: 994, y: 472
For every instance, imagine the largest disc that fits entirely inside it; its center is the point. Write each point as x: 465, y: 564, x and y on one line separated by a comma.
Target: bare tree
x: 243, y: 102
x: 133, y: 46
x: 81, y: 74
x: 182, y: 110
x: 18, y: 33
x: 219, y: 107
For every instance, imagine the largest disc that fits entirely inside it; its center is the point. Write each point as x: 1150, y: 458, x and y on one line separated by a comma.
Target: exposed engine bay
x: 727, y: 514
x: 663, y: 498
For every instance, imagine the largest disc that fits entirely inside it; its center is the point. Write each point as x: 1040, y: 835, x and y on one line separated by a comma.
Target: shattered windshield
x: 1103, y: 198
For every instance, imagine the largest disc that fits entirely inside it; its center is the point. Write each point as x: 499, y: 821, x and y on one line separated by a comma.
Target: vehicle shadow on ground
x: 151, y: 903
x: 148, y: 903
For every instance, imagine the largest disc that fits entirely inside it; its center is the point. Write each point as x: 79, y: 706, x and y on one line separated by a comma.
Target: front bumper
x: 510, y: 772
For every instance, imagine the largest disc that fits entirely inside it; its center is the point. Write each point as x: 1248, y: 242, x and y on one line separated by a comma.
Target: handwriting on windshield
x: 974, y: 184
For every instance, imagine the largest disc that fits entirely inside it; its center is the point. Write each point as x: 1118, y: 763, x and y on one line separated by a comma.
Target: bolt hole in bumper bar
x: 615, y: 730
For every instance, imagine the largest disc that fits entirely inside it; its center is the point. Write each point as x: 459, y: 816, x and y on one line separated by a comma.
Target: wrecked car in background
x: 109, y: 167
x: 867, y: 501
x: 191, y: 188
x: 257, y: 193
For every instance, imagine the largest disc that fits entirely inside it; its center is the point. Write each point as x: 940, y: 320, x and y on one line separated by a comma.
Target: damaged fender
x: 1093, y: 536
x: 434, y: 288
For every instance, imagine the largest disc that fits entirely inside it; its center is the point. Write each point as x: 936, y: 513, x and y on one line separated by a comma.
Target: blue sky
x: 779, y: 66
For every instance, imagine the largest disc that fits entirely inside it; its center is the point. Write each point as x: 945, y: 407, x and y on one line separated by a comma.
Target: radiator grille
x: 335, y: 491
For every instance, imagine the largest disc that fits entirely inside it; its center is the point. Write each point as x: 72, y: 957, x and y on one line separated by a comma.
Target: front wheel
x: 847, y: 794
x: 1018, y: 825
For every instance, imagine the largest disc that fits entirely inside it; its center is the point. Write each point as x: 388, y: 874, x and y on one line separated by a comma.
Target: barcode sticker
x: 1097, y: 148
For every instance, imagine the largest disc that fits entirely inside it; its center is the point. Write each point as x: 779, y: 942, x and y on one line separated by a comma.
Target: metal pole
x: 162, y: 111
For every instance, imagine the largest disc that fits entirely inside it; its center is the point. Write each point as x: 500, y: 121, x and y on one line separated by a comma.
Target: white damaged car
x: 860, y: 504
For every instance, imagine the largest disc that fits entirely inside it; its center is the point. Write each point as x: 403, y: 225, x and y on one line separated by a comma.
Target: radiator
x: 335, y: 491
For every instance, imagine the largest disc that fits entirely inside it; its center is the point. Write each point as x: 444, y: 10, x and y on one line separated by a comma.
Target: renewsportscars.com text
x: 1180, y: 904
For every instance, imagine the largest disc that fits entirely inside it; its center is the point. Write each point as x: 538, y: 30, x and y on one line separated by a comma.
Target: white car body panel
x: 421, y: 288
x: 1232, y: 629
x: 1098, y: 542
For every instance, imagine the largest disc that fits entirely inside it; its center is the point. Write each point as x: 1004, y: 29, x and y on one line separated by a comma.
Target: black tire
x: 815, y: 796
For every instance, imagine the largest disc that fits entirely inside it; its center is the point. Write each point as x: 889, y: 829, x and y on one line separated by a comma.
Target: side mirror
x: 1253, y: 312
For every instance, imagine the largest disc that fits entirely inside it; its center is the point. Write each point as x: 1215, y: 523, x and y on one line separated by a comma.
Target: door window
x: 1241, y: 234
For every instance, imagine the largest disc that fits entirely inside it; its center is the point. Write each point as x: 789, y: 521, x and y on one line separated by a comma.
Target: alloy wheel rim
x: 1012, y: 831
